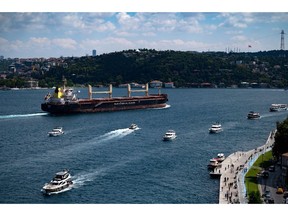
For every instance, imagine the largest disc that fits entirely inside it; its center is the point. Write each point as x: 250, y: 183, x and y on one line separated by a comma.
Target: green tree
x: 254, y: 198
x: 281, y: 139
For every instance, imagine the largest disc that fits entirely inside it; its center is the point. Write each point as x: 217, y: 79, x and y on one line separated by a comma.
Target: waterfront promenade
x: 233, y: 169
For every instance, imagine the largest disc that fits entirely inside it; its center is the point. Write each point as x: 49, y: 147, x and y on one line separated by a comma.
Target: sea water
x: 110, y: 163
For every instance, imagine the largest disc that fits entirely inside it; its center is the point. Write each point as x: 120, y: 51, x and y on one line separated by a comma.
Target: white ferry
x: 253, y: 115
x: 278, y: 107
x: 215, y: 128
x: 169, y: 135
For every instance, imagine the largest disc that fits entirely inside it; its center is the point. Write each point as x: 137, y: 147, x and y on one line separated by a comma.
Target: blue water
x: 112, y: 164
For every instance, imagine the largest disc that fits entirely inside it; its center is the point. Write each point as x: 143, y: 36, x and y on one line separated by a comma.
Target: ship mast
x: 130, y: 90
x: 90, y: 92
x: 64, y: 82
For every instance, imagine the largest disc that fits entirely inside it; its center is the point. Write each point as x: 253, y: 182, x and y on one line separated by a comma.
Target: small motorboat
x: 215, y: 128
x: 169, y: 135
x: 253, y: 115
x: 60, y: 183
x: 57, y: 131
x: 133, y: 126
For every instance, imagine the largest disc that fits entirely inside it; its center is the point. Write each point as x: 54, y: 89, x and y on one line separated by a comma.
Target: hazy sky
x: 55, y: 34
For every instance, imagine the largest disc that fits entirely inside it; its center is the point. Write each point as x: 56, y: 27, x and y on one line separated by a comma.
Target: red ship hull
x: 106, y: 104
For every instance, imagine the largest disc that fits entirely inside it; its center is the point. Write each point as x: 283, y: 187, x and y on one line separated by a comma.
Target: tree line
x: 185, y: 69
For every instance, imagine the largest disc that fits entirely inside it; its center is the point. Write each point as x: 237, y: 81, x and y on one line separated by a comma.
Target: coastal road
x: 271, y: 183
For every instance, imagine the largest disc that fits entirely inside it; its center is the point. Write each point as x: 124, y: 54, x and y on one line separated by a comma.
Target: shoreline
x: 233, y: 169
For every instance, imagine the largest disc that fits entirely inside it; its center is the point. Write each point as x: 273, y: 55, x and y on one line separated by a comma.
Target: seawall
x: 233, y: 170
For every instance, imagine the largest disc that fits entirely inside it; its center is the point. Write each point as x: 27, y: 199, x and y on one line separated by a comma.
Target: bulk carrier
x: 65, y: 101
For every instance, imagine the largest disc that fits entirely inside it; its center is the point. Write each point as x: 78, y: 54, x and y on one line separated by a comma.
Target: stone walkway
x: 233, y: 169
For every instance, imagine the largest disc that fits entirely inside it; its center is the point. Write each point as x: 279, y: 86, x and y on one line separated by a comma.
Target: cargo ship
x: 65, y: 101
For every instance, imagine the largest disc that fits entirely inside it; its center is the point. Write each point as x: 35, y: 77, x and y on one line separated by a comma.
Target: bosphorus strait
x: 110, y: 163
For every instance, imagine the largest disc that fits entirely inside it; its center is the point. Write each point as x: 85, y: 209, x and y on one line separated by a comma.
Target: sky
x: 29, y: 33
x: 50, y: 28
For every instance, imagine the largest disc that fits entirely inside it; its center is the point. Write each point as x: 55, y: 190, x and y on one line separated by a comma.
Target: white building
x: 156, y: 84
x: 169, y: 85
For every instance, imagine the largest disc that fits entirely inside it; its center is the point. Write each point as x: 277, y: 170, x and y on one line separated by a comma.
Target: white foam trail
x: 273, y: 114
x: 22, y: 115
x: 81, y: 179
x: 85, y: 177
x: 166, y: 107
x: 99, y: 140
x: 119, y: 133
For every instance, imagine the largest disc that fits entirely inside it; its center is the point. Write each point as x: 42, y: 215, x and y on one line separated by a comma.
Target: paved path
x: 233, y: 169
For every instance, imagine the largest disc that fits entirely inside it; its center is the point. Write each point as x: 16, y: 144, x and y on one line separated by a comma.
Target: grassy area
x: 263, y: 162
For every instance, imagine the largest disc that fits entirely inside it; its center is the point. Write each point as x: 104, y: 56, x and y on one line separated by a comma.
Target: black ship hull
x: 106, y: 104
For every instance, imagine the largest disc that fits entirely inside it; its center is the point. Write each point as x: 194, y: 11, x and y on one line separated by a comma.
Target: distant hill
x: 185, y: 69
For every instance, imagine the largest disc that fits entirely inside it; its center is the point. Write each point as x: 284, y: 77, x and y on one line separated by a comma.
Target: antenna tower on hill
x: 282, y: 47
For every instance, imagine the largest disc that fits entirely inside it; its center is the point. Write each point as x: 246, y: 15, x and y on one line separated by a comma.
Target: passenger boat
x: 215, y: 128
x: 57, y: 131
x: 169, y: 135
x: 213, y: 163
x: 220, y: 157
x: 253, y: 115
x: 60, y: 183
x: 65, y: 101
x: 278, y: 107
x: 133, y: 126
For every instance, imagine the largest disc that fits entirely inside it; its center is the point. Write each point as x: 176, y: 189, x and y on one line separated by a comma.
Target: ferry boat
x: 215, y: 128
x: 65, y: 101
x: 278, y: 107
x: 253, y: 115
x: 169, y: 135
x: 60, y: 183
x: 57, y: 131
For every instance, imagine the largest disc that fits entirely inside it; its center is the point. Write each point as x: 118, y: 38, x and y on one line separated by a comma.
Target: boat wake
x: 82, y: 179
x: 166, y: 107
x: 116, y: 134
x: 59, y: 154
x: 96, y: 141
x: 22, y: 115
x: 271, y: 114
